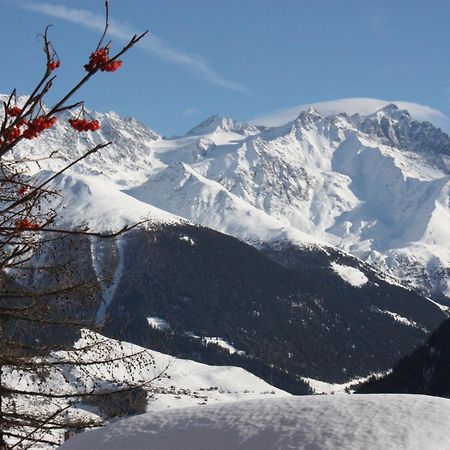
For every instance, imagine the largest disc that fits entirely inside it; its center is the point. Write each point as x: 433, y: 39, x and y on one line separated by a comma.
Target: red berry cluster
x: 14, y: 111
x: 112, y: 66
x: 52, y: 65
x: 100, y: 60
x: 25, y: 224
x: 84, y: 125
x: 22, y: 190
x: 11, y: 134
x: 37, y: 126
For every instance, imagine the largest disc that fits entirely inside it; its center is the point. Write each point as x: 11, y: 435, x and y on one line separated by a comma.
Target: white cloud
x: 355, y: 105
x: 152, y: 44
x: 191, y: 112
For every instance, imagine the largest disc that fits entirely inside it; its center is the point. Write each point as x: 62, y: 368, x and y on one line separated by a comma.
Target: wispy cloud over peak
x: 153, y: 45
x: 355, y: 105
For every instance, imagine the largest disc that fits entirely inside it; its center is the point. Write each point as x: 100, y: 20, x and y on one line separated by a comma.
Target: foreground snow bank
x: 326, y: 422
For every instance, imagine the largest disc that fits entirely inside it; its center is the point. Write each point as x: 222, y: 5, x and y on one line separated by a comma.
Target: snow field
x: 351, y: 275
x: 357, y: 422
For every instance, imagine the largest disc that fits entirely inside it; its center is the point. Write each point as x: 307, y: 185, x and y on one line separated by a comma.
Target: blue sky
x: 239, y: 58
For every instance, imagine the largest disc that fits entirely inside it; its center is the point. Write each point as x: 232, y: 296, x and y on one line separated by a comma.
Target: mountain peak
x: 393, y: 111
x: 309, y: 112
x: 390, y: 107
x: 219, y: 123
x: 308, y: 117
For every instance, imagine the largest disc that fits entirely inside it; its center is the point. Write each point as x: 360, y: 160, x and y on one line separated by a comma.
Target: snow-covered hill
x: 88, y: 369
x: 362, y: 422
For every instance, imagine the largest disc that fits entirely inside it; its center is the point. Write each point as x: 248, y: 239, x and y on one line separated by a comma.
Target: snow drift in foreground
x: 328, y: 422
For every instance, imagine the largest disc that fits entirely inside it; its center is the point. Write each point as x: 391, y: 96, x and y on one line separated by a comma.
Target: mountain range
x: 330, y: 231
x: 265, y: 243
x: 313, y: 254
x: 375, y: 186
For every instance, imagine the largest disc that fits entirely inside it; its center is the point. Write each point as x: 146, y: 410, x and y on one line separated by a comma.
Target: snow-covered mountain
x: 219, y: 124
x: 126, y: 161
x: 373, y: 185
x: 306, y: 195
x: 376, y: 186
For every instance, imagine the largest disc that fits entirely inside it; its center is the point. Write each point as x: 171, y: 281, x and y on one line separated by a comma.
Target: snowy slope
x: 208, y: 203
x: 98, y: 203
x: 183, y: 383
x: 361, y: 422
x: 351, y: 275
x: 177, y: 382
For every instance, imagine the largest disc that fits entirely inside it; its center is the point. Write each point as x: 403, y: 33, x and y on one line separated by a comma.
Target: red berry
x: 52, y: 65
x: 97, y: 59
x: 38, y: 125
x: 22, y: 190
x: 11, y: 134
x: 100, y: 60
x: 14, y: 111
x: 84, y: 125
x: 94, y: 125
x: 25, y: 224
